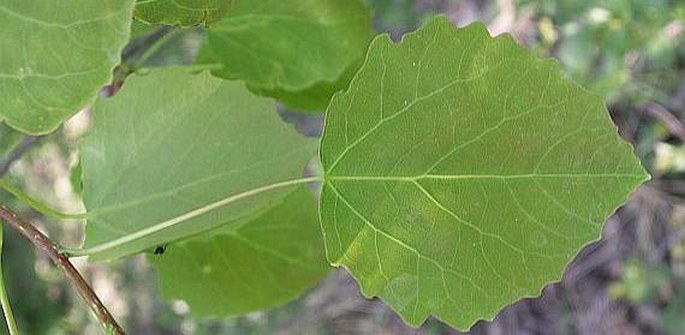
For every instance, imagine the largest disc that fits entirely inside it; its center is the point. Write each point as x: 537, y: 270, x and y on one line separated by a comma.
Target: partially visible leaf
x: 184, y: 13
x: 56, y: 56
x: 250, y: 264
x: 462, y: 173
x: 171, y: 143
x: 75, y: 178
x: 294, y: 50
x: 140, y: 29
x: 313, y: 99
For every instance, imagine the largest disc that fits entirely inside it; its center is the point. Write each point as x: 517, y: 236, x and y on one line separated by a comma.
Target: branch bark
x: 50, y: 248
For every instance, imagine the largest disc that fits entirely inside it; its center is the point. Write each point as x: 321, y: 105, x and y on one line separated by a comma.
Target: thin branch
x: 672, y: 123
x: 130, y: 56
x: 17, y: 152
x: 50, y: 248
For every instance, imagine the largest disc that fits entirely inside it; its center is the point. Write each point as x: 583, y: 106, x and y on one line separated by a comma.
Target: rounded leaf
x: 462, y: 173
x: 56, y: 56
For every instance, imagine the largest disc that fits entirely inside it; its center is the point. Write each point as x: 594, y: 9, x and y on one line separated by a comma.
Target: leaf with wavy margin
x: 462, y: 173
x: 56, y: 56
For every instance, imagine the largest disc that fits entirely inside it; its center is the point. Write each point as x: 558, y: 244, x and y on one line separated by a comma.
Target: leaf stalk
x: 113, y: 244
x: 4, y: 298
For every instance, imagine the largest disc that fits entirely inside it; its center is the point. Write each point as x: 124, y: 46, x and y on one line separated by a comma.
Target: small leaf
x: 184, y: 13
x: 56, y: 56
x: 291, y: 49
x: 250, y: 264
x: 168, y: 147
x: 462, y: 173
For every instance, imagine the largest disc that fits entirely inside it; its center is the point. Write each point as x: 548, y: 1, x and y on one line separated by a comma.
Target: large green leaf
x: 252, y: 264
x: 291, y: 49
x: 462, y: 173
x: 171, y: 149
x: 182, y: 12
x: 56, y: 56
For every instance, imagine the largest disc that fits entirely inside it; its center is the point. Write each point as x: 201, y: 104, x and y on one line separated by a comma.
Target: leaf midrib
x: 486, y: 176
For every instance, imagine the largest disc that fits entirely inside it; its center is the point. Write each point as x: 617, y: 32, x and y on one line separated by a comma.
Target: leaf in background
x: 170, y: 143
x: 254, y: 263
x: 291, y: 49
x: 140, y: 29
x: 184, y: 13
x: 462, y: 173
x: 56, y: 56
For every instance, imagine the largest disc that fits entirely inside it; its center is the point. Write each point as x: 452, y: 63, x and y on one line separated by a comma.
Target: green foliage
x: 190, y: 141
x: 602, y: 40
x: 640, y: 282
x: 182, y: 12
x: 254, y: 263
x: 295, y: 50
x: 462, y: 174
x: 56, y: 56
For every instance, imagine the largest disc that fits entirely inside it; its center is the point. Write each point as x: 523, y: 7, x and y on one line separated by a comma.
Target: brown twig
x: 26, y: 144
x: 672, y: 123
x: 47, y: 246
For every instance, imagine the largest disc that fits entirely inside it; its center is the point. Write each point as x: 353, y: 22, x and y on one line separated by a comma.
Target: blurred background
x: 632, y: 281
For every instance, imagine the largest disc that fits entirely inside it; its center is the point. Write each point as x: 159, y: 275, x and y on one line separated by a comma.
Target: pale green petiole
x: 39, y: 206
x: 113, y: 244
x: 4, y: 299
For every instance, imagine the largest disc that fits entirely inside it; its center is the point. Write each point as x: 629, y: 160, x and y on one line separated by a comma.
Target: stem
x: 4, y: 298
x: 47, y: 246
x: 184, y: 217
x: 6, y: 308
x: 17, y: 152
x: 136, y: 50
x: 672, y: 123
x: 39, y: 206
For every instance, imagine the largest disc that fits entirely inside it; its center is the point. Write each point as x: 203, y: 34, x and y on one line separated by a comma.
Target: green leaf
x: 250, y: 264
x: 462, y: 173
x: 294, y: 50
x: 171, y: 150
x: 56, y: 56
x: 184, y: 13
x: 140, y: 29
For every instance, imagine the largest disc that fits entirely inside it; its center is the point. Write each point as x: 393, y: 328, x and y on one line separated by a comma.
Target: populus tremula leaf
x: 56, y: 56
x: 462, y: 173
x: 171, y: 150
